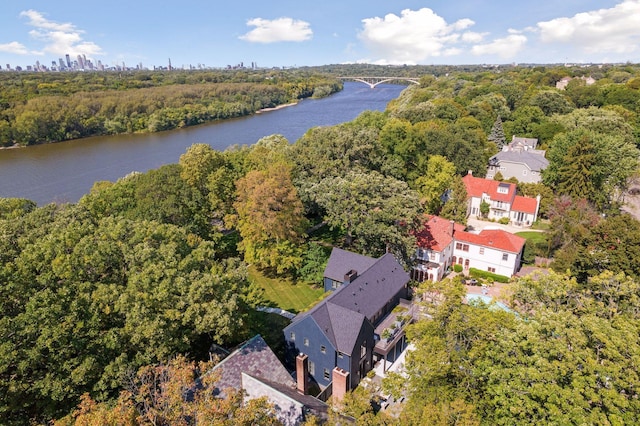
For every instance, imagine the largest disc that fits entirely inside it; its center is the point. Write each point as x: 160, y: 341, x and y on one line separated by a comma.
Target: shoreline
x: 17, y: 146
x: 276, y: 108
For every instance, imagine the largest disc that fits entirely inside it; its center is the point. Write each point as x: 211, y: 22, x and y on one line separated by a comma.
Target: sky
x: 294, y: 33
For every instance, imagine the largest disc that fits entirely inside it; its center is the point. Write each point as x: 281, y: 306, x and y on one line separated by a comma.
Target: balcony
x: 391, y: 328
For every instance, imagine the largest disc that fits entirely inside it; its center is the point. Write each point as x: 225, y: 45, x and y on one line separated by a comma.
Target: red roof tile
x: 493, y: 238
x: 525, y: 204
x: 436, y: 233
x: 477, y: 186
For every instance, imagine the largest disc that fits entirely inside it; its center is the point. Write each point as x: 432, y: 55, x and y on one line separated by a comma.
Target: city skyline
x: 198, y: 34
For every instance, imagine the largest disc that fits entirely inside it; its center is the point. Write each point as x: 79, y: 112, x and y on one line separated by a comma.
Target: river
x: 64, y: 172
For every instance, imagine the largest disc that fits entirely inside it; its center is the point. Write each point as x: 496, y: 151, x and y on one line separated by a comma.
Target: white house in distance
x: 502, y: 199
x: 442, y: 243
x: 519, y: 159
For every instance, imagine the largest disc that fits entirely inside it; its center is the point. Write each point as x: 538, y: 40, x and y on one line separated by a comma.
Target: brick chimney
x: 340, y: 384
x: 451, y: 227
x: 302, y: 373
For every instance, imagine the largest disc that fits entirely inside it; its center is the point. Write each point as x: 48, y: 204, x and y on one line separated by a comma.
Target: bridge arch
x: 372, y: 82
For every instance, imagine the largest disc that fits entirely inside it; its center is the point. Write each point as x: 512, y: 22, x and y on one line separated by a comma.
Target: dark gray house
x: 340, y: 263
x: 335, y: 340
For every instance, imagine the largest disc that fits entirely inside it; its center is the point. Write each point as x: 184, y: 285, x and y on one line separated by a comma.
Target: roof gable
x: 493, y: 238
x: 369, y: 292
x: 436, y: 233
x: 347, y: 325
x: 496, y: 190
x: 254, y: 357
x: 342, y: 261
x: 525, y: 204
x: 533, y: 160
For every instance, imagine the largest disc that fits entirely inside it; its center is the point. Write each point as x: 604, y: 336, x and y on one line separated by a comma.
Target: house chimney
x: 340, y: 384
x: 470, y: 172
x: 350, y: 276
x: 302, y: 372
x: 451, y: 227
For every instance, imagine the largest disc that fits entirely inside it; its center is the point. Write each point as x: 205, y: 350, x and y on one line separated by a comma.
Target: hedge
x: 477, y: 273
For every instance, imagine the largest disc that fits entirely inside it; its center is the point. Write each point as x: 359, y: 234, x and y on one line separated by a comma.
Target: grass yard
x: 284, y: 294
x: 533, y: 237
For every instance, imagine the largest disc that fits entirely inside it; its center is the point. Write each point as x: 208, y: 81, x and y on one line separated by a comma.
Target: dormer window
x: 503, y: 188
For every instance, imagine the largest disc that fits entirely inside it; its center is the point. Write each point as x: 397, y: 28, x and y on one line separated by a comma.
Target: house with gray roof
x: 342, y: 263
x: 334, y: 342
x: 519, y: 159
x: 254, y: 368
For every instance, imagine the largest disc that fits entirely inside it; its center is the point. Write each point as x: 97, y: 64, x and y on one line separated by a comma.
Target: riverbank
x: 276, y: 108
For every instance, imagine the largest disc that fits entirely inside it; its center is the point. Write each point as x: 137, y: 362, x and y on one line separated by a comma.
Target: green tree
x: 270, y: 219
x: 497, y: 134
x: 376, y: 212
x: 197, y: 163
x: 456, y: 206
x: 435, y: 182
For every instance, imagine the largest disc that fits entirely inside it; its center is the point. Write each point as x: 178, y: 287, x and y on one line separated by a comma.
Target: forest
x: 52, y: 107
x: 142, y: 275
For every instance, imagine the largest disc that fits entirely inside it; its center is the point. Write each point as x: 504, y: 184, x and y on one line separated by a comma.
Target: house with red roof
x: 492, y: 250
x: 443, y: 243
x: 502, y: 199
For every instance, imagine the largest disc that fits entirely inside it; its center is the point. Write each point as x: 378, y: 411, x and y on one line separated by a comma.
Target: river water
x: 64, y: 172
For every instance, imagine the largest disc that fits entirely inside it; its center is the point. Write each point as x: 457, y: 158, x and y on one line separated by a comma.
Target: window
x: 481, y: 250
x: 312, y: 368
x: 323, y: 349
x: 505, y: 256
x: 432, y: 256
x: 524, y: 173
x: 326, y: 374
x: 292, y: 336
x: 363, y: 349
x: 463, y: 247
x: 492, y: 270
x: 306, y: 341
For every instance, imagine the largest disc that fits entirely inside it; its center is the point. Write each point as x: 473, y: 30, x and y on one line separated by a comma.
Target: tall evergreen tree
x: 497, y: 134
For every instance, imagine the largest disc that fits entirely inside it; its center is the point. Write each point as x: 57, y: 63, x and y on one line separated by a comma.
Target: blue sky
x: 298, y: 32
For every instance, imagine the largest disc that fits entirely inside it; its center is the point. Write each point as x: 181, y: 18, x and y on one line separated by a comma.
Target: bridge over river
x: 374, y: 81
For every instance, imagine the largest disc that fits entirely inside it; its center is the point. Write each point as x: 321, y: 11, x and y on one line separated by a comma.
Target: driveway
x: 475, y: 225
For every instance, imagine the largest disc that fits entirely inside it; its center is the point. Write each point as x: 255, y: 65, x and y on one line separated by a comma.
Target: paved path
x: 476, y: 225
x: 278, y: 311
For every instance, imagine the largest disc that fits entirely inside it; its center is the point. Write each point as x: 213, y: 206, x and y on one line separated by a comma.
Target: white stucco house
x: 442, y: 243
x: 502, y: 199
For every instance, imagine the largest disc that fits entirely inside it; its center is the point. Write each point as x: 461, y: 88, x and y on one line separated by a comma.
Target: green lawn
x: 533, y: 237
x: 292, y: 297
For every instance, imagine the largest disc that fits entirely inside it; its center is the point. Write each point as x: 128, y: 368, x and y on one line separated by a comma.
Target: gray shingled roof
x: 341, y: 314
x: 534, y: 161
x: 254, y: 357
x: 369, y: 292
x: 342, y: 261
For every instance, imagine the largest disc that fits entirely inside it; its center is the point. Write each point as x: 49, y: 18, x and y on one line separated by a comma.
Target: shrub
x: 504, y: 220
x: 457, y: 268
x: 477, y: 273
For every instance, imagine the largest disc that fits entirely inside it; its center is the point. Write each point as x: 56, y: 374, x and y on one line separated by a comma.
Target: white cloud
x: 15, y: 48
x: 506, y: 47
x: 598, y: 31
x: 413, y: 37
x: 281, y: 29
x: 58, y: 38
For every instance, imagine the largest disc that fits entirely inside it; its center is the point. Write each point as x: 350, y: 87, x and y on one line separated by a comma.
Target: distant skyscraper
x: 68, y: 60
x: 80, y: 62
